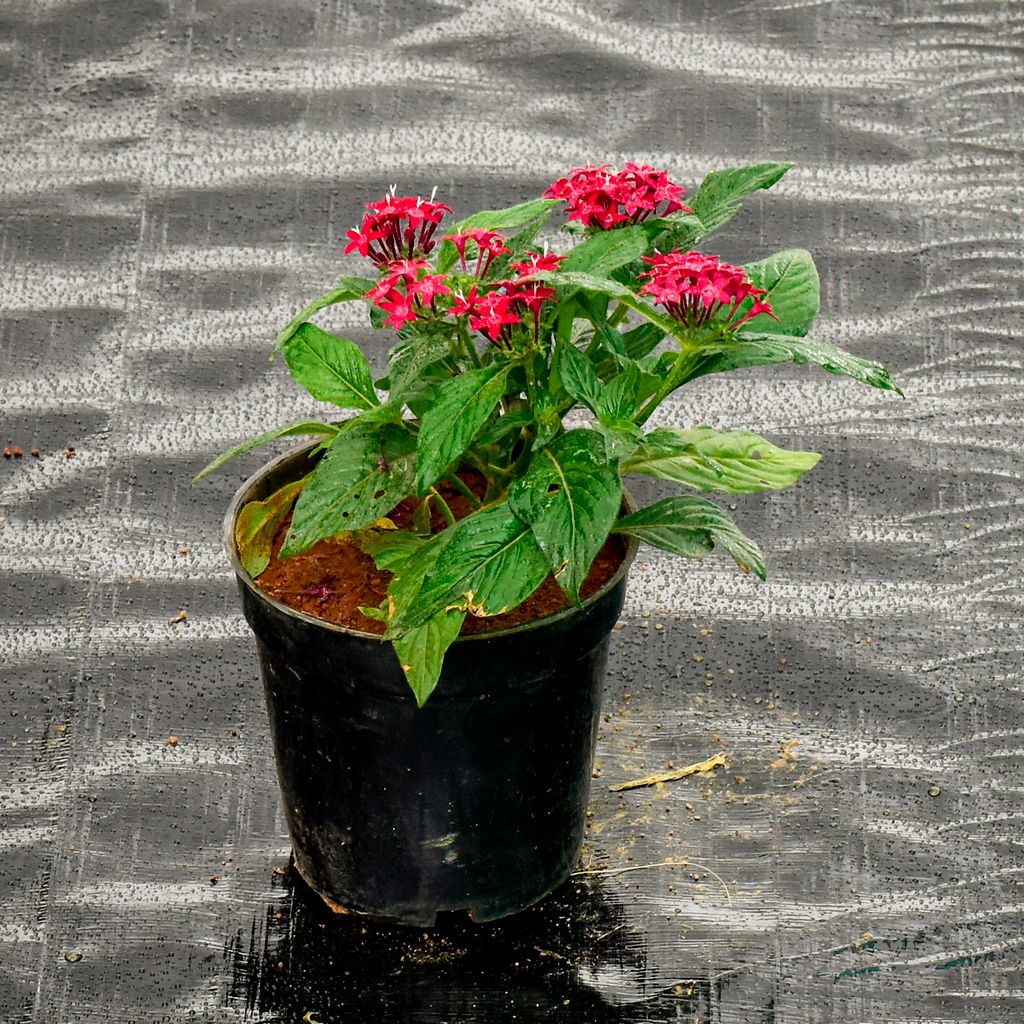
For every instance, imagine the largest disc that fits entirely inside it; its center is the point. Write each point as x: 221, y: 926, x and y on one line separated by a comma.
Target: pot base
x: 477, y: 916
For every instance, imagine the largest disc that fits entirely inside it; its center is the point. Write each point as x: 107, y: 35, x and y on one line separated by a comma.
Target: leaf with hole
x: 365, y: 473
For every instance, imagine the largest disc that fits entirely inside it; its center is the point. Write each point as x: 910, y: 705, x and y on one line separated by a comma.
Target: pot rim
x: 231, y: 547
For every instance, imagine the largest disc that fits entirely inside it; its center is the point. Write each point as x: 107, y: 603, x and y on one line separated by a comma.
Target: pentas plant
x: 495, y: 340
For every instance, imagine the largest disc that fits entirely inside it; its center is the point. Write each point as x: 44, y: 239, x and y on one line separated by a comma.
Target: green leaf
x: 606, y: 286
x: 290, y: 430
x: 411, y: 356
x: 348, y: 290
x: 620, y: 439
x: 570, y: 496
x: 492, y: 220
x: 461, y: 408
x: 421, y: 651
x: 366, y: 472
x: 642, y: 340
x: 691, y: 527
x: 356, y: 285
x: 767, y: 349
x: 794, y: 292
x: 620, y: 395
x: 523, y: 240
x: 596, y: 310
x: 516, y: 419
x: 579, y: 377
x: 257, y: 525
x: 721, y: 193
x: 606, y: 251
x: 733, y: 462
x: 389, y: 549
x: 613, y: 402
x: 331, y: 369
x: 490, y: 562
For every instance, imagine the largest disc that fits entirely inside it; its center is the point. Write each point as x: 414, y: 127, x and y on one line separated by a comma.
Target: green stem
x: 443, y: 506
x: 620, y: 314
x: 467, y: 344
x: 454, y: 480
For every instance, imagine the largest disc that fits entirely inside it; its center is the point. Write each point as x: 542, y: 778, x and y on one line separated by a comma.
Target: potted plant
x: 432, y: 580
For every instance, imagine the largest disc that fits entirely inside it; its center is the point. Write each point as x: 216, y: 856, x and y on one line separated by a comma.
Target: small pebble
x: 35, y: 453
x: 72, y: 956
x: 934, y: 791
x: 172, y: 741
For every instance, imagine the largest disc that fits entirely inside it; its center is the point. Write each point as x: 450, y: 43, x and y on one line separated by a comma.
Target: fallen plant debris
x: 788, y: 758
x: 710, y: 764
x: 182, y: 616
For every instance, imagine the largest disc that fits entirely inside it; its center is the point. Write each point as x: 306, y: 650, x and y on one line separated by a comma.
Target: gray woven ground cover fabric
x: 176, y: 180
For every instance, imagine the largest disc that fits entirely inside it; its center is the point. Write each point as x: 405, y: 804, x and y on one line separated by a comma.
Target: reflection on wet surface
x: 570, y: 955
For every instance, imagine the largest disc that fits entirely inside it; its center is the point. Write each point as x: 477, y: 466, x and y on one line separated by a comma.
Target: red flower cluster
x: 537, y: 262
x: 693, y: 288
x: 407, y: 290
x: 490, y: 313
x: 397, y: 227
x: 489, y: 245
x: 604, y: 199
x: 496, y: 311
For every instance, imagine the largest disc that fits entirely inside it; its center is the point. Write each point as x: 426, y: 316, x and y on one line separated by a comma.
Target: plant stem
x: 443, y: 506
x: 620, y: 314
x: 467, y: 344
x: 454, y: 480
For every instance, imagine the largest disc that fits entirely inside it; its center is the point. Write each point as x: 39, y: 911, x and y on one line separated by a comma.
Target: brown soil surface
x: 333, y: 579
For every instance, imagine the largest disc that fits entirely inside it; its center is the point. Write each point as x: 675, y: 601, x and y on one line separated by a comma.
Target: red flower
x: 693, y: 288
x: 489, y: 245
x: 407, y: 291
x: 490, y: 313
x: 536, y: 263
x: 602, y: 199
x: 396, y: 227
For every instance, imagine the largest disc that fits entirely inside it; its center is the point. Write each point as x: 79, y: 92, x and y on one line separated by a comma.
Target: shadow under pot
x: 474, y: 802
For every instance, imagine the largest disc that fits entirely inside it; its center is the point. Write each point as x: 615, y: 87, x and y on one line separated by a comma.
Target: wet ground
x: 176, y: 181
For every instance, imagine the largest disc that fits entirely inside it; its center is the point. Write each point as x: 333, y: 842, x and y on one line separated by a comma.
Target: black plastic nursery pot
x: 474, y: 802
